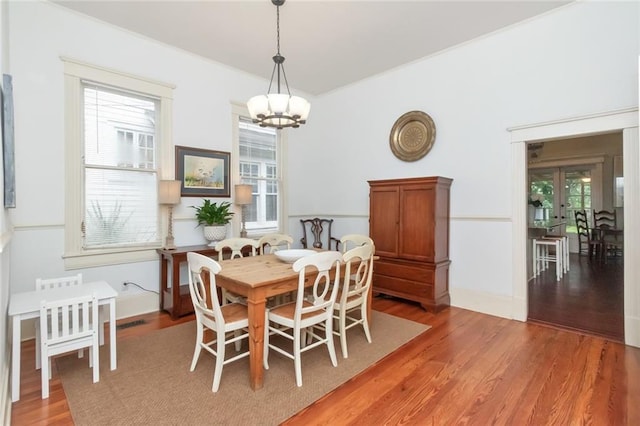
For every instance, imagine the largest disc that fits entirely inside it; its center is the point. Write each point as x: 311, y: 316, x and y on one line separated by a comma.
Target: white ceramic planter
x: 215, y: 233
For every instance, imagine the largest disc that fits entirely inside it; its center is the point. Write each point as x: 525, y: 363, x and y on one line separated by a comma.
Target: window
x: 117, y: 133
x: 258, y: 156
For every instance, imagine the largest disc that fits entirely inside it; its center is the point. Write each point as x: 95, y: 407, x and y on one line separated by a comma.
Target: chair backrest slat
x: 320, y: 298
x: 235, y: 245
x: 200, y: 268
x: 69, y: 318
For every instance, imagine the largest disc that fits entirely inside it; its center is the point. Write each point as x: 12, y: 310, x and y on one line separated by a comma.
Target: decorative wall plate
x: 412, y: 136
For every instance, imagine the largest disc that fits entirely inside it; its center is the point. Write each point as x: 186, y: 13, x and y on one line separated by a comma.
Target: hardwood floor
x: 469, y: 368
x: 589, y: 299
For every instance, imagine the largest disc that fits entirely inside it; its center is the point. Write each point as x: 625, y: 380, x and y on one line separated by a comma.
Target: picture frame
x: 202, y: 172
x: 6, y: 99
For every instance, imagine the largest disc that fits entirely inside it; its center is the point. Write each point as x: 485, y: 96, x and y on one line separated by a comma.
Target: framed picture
x: 6, y: 96
x: 203, y: 173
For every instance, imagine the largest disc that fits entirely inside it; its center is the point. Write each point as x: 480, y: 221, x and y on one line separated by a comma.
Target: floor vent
x: 130, y: 324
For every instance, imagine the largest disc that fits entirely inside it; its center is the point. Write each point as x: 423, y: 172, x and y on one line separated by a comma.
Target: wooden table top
x: 257, y: 271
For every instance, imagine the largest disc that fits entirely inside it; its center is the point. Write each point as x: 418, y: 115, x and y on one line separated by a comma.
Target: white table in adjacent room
x: 26, y: 305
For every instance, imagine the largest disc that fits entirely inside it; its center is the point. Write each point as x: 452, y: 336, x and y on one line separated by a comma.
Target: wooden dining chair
x: 68, y: 325
x: 316, y: 233
x: 606, y: 224
x: 221, y: 320
x: 353, y: 295
x: 588, y: 243
x: 349, y: 241
x: 295, y: 321
x: 271, y: 243
x: 236, y: 246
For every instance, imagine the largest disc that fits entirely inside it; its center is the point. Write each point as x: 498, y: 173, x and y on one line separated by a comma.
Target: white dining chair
x: 221, y: 320
x: 68, y: 325
x: 270, y: 243
x: 235, y: 245
x: 353, y: 295
x: 68, y: 281
x: 296, y: 320
x: 349, y: 241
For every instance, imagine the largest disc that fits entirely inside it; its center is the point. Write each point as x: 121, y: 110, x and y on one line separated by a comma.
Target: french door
x: 565, y: 190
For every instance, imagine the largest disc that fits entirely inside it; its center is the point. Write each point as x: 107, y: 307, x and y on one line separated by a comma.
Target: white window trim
x: 238, y: 110
x: 75, y: 257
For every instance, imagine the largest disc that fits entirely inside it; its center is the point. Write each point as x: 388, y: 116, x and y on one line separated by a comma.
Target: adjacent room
x: 426, y: 214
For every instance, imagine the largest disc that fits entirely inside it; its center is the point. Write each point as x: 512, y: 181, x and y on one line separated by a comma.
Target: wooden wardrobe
x: 409, y: 224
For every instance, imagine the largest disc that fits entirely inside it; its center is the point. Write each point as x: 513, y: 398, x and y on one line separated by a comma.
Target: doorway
x: 571, y: 175
x: 626, y: 121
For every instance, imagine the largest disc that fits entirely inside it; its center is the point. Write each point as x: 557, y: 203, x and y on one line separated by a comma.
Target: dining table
x: 258, y: 278
x: 26, y: 305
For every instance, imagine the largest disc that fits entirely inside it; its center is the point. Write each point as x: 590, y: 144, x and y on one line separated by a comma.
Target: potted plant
x: 213, y: 217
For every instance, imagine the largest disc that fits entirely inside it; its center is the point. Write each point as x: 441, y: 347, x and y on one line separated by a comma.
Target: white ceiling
x: 327, y: 44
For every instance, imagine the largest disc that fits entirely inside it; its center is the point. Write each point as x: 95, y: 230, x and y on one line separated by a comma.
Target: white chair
x: 235, y: 245
x: 293, y: 320
x: 50, y: 283
x: 231, y: 318
x: 68, y: 325
x: 354, y: 293
x: 350, y: 241
x: 271, y: 243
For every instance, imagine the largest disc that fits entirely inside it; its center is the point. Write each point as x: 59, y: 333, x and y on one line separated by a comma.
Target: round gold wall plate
x: 412, y: 136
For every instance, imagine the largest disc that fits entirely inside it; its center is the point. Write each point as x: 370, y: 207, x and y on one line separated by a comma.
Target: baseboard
x: 5, y: 400
x: 632, y: 331
x: 486, y: 303
x: 129, y: 305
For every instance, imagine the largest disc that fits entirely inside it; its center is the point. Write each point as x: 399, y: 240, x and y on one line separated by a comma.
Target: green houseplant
x: 209, y: 214
x: 213, y: 218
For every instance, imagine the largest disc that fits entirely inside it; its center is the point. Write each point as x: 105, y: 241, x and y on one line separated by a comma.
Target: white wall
x: 574, y: 61
x: 578, y: 60
x: 42, y: 32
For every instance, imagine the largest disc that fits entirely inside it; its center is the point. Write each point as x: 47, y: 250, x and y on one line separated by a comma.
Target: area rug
x: 153, y: 386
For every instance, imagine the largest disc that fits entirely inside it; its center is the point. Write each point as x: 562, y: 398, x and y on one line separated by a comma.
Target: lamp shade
x: 244, y: 194
x: 169, y: 192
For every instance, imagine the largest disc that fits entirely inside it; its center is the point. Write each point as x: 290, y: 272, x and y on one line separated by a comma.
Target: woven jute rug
x: 153, y: 385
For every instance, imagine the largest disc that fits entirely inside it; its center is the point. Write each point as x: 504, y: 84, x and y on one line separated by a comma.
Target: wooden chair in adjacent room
x: 294, y: 321
x: 68, y: 325
x: 236, y: 247
x: 606, y: 224
x: 316, y: 233
x: 271, y: 243
x: 587, y: 245
x: 221, y: 320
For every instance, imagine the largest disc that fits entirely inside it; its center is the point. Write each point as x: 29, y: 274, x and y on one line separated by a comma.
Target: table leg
x: 164, y: 264
x: 175, y: 288
x: 15, y: 359
x: 256, y: 308
x: 112, y: 333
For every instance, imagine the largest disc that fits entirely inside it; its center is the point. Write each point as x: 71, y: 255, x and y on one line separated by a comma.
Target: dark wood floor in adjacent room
x: 589, y: 298
x: 469, y: 368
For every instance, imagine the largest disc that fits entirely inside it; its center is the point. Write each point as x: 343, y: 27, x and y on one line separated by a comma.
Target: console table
x: 176, y: 299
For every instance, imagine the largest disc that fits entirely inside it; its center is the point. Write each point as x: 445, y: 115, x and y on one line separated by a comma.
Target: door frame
x: 625, y: 120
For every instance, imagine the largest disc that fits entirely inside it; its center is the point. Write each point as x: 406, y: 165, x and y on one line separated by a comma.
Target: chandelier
x: 278, y: 109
